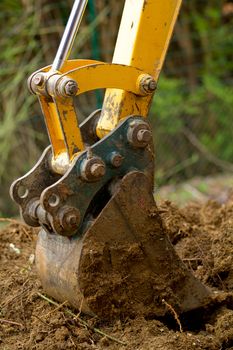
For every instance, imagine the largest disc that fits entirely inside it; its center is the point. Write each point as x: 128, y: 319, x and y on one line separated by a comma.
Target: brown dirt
x: 203, y: 237
x: 133, y: 261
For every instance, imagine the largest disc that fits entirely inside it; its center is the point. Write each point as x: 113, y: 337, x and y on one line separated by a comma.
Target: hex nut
x: 139, y: 134
x: 38, y: 79
x: 116, y: 159
x: 152, y: 85
x: 97, y: 170
x: 71, y: 88
x: 93, y: 169
x: 69, y: 218
x: 147, y: 84
x: 144, y: 135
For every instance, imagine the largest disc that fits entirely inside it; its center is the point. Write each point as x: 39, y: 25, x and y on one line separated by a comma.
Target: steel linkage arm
x: 144, y: 35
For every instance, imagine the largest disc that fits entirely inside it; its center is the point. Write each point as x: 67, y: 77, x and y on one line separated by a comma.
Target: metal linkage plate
x: 26, y: 190
x: 129, y: 147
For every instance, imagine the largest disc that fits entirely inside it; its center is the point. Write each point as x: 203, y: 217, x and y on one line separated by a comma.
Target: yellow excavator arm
x: 131, y: 79
x: 102, y: 240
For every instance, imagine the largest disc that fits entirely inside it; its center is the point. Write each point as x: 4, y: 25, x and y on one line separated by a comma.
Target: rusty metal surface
x: 41, y: 175
x: 123, y: 264
x: 80, y: 184
x: 88, y: 128
x: 57, y: 260
x: 33, y: 183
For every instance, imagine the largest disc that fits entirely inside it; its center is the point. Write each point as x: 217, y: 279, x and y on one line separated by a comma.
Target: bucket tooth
x: 124, y: 264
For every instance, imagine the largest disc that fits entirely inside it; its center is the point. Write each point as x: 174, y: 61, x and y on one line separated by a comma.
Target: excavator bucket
x: 124, y: 264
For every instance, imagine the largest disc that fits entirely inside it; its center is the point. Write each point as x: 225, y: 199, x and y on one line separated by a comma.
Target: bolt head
x: 38, y: 79
x: 147, y: 84
x: 152, y: 85
x: 116, y: 160
x: 69, y: 218
x: 97, y: 170
x: 71, y: 88
x: 144, y: 135
x: 139, y: 134
x: 92, y: 169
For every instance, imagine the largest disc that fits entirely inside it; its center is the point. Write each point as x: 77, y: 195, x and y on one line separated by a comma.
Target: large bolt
x: 139, y: 134
x: 97, y: 170
x: 39, y: 79
x: 147, y: 84
x: 144, y: 135
x: 71, y: 88
x: 152, y: 85
x: 69, y: 218
x: 93, y: 169
x: 116, y: 159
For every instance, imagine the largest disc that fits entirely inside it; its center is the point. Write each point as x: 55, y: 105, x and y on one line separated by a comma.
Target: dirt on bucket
x: 202, y: 235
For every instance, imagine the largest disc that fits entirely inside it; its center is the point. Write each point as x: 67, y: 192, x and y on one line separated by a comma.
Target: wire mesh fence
x: 191, y: 112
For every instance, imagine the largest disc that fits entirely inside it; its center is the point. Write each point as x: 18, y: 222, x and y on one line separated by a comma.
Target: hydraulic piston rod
x: 69, y: 35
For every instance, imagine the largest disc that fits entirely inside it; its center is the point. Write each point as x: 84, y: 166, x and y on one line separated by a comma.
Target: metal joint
x: 66, y: 87
x: 147, y: 84
x: 69, y: 218
x: 139, y: 134
x: 92, y: 169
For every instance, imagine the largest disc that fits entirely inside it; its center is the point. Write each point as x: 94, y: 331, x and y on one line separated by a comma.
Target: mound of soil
x: 203, y: 238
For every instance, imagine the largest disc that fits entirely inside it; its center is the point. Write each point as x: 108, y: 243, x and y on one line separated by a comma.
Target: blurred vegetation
x: 192, y: 110
x: 194, y: 103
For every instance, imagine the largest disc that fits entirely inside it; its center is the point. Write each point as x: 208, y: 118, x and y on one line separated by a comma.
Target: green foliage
x: 215, y: 38
x: 168, y: 104
x: 20, y: 55
x: 18, y: 46
x: 206, y: 109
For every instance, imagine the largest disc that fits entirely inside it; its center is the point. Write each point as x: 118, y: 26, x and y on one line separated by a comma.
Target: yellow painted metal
x: 62, y: 125
x: 69, y: 124
x: 60, y: 117
x: 69, y: 65
x: 74, y: 64
x: 143, y: 39
x: 106, y: 75
x: 53, y: 124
